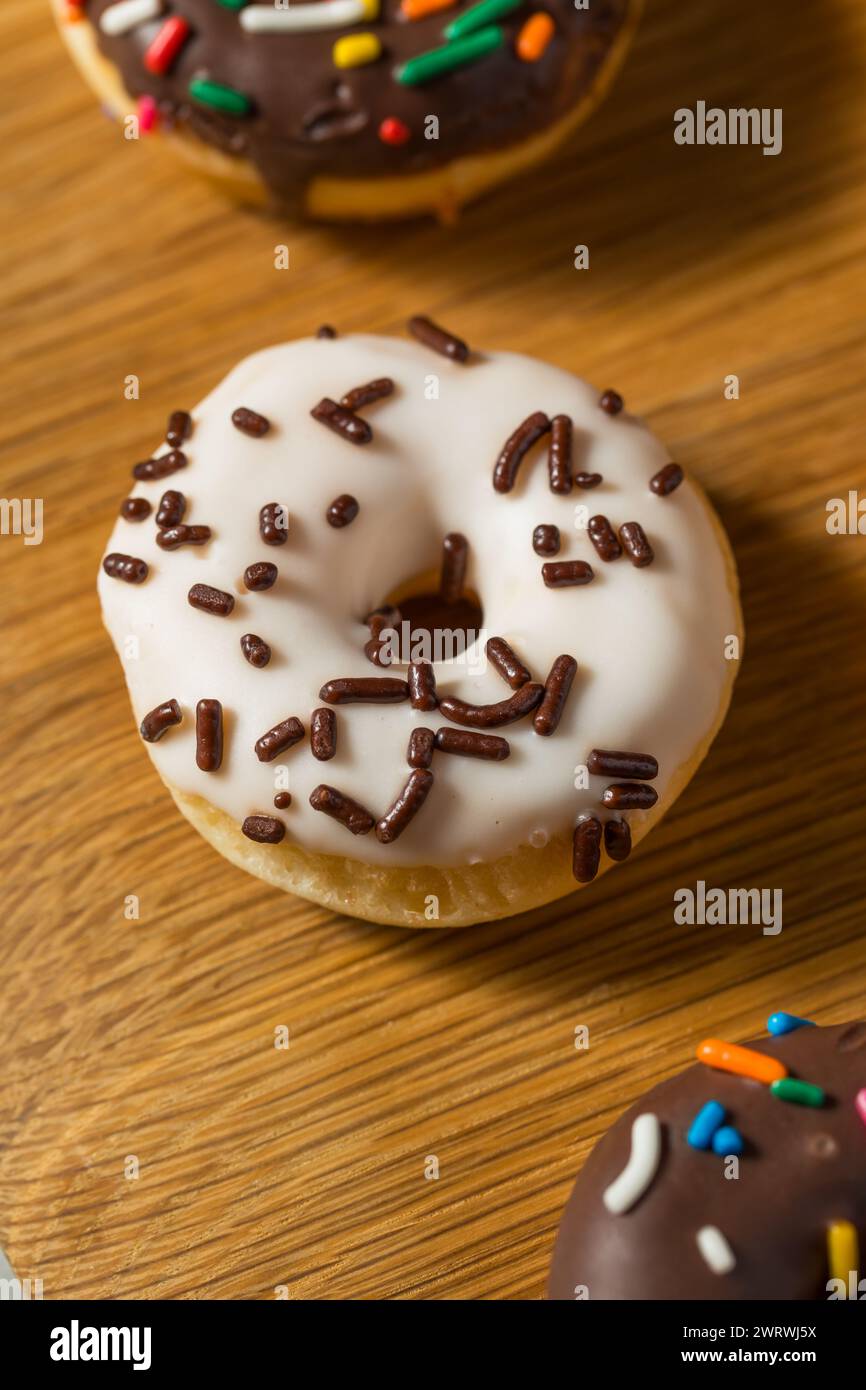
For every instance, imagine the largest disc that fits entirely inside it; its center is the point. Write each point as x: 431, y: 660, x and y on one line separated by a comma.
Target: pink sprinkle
x: 147, y: 114
x: 860, y: 1103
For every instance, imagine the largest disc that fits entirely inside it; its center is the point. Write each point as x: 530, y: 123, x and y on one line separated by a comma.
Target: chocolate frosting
x: 802, y: 1169
x: 310, y: 117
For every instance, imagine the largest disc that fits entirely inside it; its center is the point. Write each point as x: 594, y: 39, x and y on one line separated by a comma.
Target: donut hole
x: 446, y: 630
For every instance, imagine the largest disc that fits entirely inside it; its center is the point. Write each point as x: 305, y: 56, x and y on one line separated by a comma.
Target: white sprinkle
x: 324, y: 14
x: 715, y: 1250
x: 120, y: 18
x: 638, y: 1173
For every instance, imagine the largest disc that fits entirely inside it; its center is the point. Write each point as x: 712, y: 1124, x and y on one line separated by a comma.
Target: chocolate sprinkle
x: 559, y: 455
x: 256, y: 651
x: 265, y: 830
x: 522, y: 702
x: 507, y: 663
x: 607, y: 762
x: 420, y: 750
x: 260, y: 575
x: 558, y: 574
x: 279, y: 739
x: 611, y: 402
x: 342, y: 421
x: 422, y: 685
x: 160, y: 467
x: 603, y: 537
x: 326, y: 331
x: 586, y: 849
x: 210, y: 600
x: 371, y: 391
x: 323, y: 734
x: 455, y: 552
x: 405, y: 806
x: 588, y: 480
x: 349, y: 813
x: 432, y: 336
x: 342, y: 511
x: 378, y: 622
x: 125, y: 567
x: 274, y: 524
x: 171, y: 537
x: 469, y: 744
x: 638, y: 548
x: 629, y: 796
x: 348, y: 690
x: 179, y: 428
x: 666, y: 480
x: 135, y: 508
x: 617, y: 839
x: 546, y: 540
x: 250, y: 422
x: 515, y: 448
x: 159, y: 720
x: 209, y: 735
x: 171, y: 509
x: 556, y: 688
x: 282, y: 800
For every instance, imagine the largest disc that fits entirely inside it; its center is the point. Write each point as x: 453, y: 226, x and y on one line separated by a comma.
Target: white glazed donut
x: 653, y: 643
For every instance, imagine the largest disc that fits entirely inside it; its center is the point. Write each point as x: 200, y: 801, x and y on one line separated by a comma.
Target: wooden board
x: 306, y: 1167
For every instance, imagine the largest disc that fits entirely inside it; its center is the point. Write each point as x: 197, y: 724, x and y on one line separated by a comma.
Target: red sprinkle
x: 148, y: 114
x: 393, y: 131
x: 171, y: 38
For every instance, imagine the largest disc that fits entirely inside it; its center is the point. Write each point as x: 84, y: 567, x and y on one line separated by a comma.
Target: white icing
x: 648, y: 642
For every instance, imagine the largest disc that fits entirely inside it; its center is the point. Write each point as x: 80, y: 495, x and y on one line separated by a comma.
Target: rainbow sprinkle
x: 742, y: 1061
x: 798, y: 1092
x: 128, y: 14
x: 727, y: 1141
x: 779, y: 1024
x: 324, y: 14
x: 479, y: 16
x: 148, y: 115
x: 843, y: 1250
x: 355, y: 50
x: 159, y: 57
x: 703, y: 1127
x: 450, y: 56
x: 219, y: 97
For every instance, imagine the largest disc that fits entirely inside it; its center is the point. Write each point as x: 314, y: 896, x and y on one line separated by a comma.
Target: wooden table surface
x: 304, y: 1168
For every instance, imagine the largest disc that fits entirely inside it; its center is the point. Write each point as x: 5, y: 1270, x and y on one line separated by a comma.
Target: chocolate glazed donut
x: 298, y: 108
x: 800, y: 1175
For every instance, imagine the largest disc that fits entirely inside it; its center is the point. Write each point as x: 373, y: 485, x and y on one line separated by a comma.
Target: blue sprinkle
x: 727, y: 1140
x: 705, y: 1124
x: 777, y: 1024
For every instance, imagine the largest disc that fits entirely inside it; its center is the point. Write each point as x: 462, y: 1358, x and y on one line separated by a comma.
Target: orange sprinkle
x: 743, y: 1061
x: 419, y: 9
x: 534, y: 36
x: 73, y: 12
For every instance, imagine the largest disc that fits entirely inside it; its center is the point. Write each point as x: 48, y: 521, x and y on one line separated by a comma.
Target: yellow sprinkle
x: 843, y: 1253
x: 353, y: 50
x: 370, y: 8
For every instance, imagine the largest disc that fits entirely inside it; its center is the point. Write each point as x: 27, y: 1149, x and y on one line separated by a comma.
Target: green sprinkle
x: 477, y: 16
x: 450, y: 56
x: 219, y: 97
x: 232, y: 4
x: 800, y: 1092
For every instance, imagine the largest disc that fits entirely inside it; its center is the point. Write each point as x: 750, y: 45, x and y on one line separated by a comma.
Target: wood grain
x: 305, y: 1167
